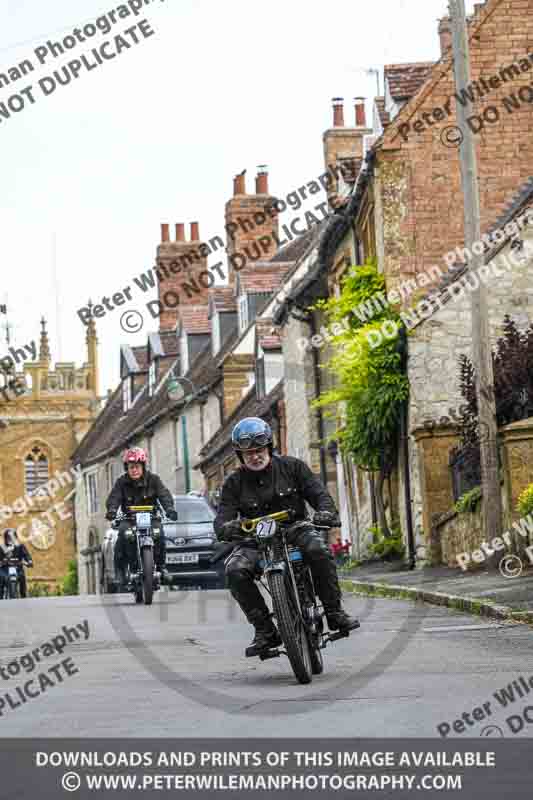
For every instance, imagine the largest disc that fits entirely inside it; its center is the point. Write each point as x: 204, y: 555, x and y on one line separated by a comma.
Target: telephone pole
x: 481, y: 350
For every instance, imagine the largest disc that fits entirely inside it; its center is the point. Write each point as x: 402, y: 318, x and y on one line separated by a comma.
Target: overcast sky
x: 157, y: 134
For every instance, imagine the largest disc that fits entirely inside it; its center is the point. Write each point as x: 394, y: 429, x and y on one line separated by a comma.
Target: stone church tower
x: 44, y: 414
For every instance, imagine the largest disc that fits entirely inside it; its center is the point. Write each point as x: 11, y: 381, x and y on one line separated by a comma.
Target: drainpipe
x: 404, y: 449
x: 318, y: 392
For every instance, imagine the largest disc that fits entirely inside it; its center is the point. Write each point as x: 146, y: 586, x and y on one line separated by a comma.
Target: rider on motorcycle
x: 12, y: 548
x: 138, y: 487
x: 266, y: 483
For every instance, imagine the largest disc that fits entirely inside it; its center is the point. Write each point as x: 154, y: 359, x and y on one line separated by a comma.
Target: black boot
x: 266, y: 634
x: 339, y: 620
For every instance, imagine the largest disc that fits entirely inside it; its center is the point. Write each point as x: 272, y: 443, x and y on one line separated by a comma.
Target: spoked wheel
x: 291, y: 628
x: 148, y: 576
x: 317, y: 662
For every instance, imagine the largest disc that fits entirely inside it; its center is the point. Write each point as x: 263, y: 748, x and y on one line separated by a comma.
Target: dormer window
x: 126, y: 394
x: 152, y: 372
x: 243, y: 312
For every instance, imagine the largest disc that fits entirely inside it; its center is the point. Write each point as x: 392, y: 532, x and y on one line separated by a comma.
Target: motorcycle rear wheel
x: 291, y: 628
x: 148, y: 576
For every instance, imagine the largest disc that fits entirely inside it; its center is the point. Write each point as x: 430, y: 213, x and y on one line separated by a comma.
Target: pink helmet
x: 135, y: 455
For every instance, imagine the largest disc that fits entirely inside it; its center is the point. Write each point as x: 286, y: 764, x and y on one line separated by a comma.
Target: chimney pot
x: 239, y: 185
x: 195, y: 232
x: 165, y: 236
x: 360, y: 116
x: 445, y: 34
x: 180, y: 232
x: 261, y: 181
x: 338, y: 112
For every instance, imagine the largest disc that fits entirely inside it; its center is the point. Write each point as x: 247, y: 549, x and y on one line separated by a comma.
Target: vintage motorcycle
x: 12, y: 581
x: 146, y: 581
x: 289, y: 582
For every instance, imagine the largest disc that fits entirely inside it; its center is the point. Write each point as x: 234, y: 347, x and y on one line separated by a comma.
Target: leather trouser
x: 242, y: 570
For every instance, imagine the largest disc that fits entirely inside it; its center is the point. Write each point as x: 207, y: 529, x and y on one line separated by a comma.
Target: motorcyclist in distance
x: 138, y: 487
x: 263, y: 484
x: 13, y: 548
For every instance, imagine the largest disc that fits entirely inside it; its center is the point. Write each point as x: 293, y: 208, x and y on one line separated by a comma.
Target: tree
x: 370, y: 383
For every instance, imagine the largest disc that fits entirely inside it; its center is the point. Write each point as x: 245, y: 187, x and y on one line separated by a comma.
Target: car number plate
x: 12, y: 571
x: 183, y: 558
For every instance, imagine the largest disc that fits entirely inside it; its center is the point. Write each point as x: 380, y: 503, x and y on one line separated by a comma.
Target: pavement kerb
x: 469, y: 605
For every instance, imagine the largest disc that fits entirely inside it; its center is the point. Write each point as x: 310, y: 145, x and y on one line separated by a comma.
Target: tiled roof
x: 405, y: 80
x: 262, y: 278
x: 195, y: 319
x: 222, y: 298
x: 295, y: 249
x: 384, y: 116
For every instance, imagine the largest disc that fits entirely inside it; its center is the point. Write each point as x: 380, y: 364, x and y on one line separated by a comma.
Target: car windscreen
x: 193, y: 513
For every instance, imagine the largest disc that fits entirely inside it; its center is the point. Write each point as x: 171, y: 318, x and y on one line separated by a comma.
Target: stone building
x: 402, y: 209
x: 40, y: 428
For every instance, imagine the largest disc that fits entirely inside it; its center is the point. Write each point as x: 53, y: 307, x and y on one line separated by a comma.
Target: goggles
x: 253, y: 442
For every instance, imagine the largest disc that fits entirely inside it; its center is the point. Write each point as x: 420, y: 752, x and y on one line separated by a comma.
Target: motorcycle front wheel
x: 148, y: 575
x: 12, y: 590
x: 291, y: 627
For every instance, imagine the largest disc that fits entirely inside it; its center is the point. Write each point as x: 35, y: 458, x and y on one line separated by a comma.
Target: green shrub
x: 525, y: 501
x: 387, y: 547
x: 468, y: 501
x: 69, y: 585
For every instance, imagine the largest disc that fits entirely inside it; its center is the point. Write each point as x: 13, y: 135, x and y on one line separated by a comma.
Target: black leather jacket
x: 146, y: 491
x: 284, y: 485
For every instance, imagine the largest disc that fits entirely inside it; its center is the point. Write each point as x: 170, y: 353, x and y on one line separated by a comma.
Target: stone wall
x: 459, y: 533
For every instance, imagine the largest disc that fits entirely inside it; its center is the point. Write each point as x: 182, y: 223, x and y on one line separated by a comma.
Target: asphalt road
x: 177, y: 669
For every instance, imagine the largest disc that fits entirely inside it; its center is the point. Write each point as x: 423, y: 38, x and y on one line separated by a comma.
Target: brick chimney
x: 261, y: 181
x: 338, y: 112
x: 360, y: 115
x: 445, y: 34
x: 343, y: 145
x: 251, y: 224
x: 181, y: 274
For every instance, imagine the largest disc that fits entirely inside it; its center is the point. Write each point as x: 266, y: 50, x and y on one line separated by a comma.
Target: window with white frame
x: 243, y: 312
x: 91, y: 490
x: 216, y: 333
x: 110, y: 475
x: 184, y: 353
x: 126, y: 394
x: 35, y: 469
x: 151, y: 378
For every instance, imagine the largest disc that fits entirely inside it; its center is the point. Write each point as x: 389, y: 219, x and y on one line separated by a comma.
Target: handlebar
x: 249, y: 525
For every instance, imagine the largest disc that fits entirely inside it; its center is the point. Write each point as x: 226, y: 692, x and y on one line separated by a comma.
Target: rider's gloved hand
x: 111, y: 515
x: 327, y: 519
x: 231, y: 530
x: 173, y: 515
